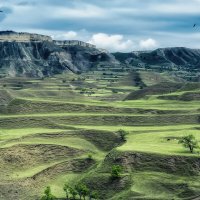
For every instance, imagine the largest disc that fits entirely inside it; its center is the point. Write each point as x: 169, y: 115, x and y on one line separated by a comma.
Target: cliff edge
x: 34, y: 55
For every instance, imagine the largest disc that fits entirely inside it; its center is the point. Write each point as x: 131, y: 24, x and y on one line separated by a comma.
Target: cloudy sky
x: 116, y: 25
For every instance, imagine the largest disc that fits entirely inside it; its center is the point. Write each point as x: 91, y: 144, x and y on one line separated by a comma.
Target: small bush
x: 48, y: 195
x: 123, y: 134
x: 90, y: 157
x: 116, y: 171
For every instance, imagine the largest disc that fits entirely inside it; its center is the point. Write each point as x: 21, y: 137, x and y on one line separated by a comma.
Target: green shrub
x: 116, y: 171
x: 189, y: 142
x: 90, y: 156
x: 123, y: 134
x: 48, y: 195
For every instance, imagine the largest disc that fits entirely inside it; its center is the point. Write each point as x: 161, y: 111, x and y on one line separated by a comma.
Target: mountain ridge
x: 24, y: 54
x: 35, y: 55
x: 180, y: 61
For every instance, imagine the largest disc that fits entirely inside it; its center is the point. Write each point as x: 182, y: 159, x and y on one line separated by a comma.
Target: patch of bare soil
x: 24, y: 156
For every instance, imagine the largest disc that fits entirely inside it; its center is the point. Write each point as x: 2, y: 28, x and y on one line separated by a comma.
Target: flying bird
x: 1, y: 11
x: 194, y: 25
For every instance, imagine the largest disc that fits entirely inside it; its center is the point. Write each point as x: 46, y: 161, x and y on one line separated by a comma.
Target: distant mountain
x: 34, y: 55
x: 24, y: 54
x: 183, y: 62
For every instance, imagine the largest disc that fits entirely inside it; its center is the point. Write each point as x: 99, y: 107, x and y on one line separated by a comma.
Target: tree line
x: 81, y: 190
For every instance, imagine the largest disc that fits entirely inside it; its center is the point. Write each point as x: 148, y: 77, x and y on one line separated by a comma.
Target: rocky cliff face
x: 177, y: 56
x: 183, y: 62
x: 85, y: 58
x: 64, y: 43
x: 24, y: 54
x: 22, y: 37
x: 35, y: 59
x: 37, y: 56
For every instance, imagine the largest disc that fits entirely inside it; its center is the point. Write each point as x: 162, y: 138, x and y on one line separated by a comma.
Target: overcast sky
x: 116, y: 25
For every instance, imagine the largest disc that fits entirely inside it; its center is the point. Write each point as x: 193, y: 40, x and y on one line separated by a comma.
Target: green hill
x: 64, y: 129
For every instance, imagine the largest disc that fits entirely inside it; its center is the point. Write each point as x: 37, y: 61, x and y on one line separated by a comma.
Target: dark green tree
x: 189, y: 142
x: 94, y: 195
x: 116, y: 171
x: 78, y: 188
x: 66, y: 188
x: 85, y: 191
x: 73, y: 192
x: 82, y: 190
x: 123, y: 134
x: 47, y: 194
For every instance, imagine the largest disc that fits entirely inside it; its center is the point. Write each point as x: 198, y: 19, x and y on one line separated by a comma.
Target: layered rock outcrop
x: 64, y: 43
x: 33, y: 55
x: 179, y: 62
x: 11, y: 36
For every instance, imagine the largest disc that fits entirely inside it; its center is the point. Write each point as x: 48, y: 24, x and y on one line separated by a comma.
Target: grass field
x: 159, y: 142
x: 49, y: 127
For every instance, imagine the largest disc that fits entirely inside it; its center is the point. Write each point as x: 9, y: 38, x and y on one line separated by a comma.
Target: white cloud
x: 47, y: 14
x: 178, y: 7
x: 70, y: 35
x: 111, y: 42
x: 86, y: 11
x: 121, y: 25
x: 148, y: 44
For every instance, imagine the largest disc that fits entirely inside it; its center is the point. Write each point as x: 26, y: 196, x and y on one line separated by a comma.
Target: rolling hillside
x: 50, y: 126
x: 71, y: 113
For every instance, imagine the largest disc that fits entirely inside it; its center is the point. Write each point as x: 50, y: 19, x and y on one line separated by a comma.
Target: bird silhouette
x: 194, y: 25
x: 1, y: 10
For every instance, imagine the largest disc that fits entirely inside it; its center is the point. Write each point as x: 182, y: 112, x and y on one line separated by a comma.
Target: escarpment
x: 34, y: 55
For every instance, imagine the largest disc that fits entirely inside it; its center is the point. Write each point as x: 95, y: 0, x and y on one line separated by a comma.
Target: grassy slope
x: 71, y: 123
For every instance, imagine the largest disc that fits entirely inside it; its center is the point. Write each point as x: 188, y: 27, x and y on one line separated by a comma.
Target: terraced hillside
x: 65, y: 129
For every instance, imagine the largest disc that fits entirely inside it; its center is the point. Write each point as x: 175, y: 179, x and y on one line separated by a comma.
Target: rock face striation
x: 178, y: 61
x: 176, y: 56
x: 64, y: 43
x: 33, y: 55
x: 11, y: 36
